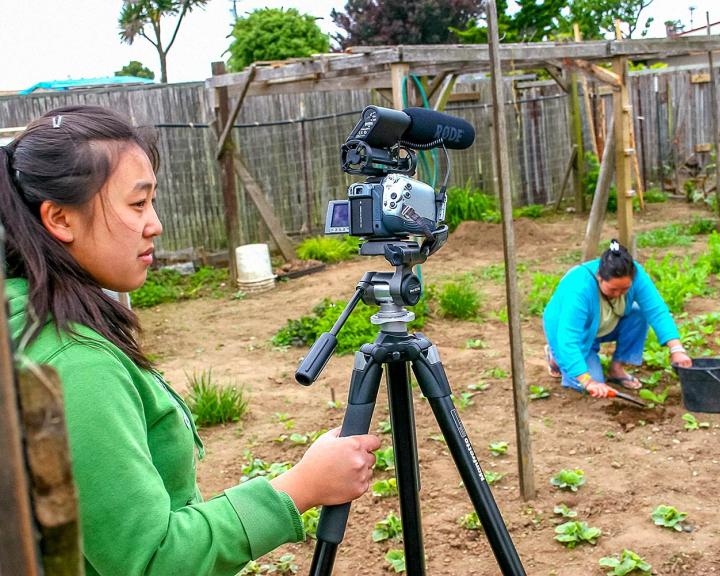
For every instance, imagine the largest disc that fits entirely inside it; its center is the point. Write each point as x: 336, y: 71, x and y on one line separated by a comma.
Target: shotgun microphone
x: 429, y: 129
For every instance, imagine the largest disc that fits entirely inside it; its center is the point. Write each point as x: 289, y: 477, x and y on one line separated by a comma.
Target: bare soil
x: 634, y: 459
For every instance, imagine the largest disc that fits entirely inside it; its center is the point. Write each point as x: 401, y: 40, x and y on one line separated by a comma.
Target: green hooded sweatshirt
x: 133, y: 444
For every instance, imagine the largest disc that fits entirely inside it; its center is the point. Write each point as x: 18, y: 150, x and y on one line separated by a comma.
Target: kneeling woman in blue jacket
x: 610, y: 299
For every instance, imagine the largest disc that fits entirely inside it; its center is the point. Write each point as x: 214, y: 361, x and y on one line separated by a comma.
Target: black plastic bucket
x: 701, y: 385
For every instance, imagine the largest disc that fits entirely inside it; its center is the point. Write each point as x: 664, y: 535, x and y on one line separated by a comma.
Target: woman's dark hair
x: 65, y: 156
x: 616, y: 262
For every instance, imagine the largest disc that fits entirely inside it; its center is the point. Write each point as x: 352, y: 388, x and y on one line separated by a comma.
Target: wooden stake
x: 399, y: 74
x: 566, y: 177
x: 520, y: 395
x: 232, y: 225
x: 622, y: 113
x: 586, y: 99
x: 713, y: 115
x: 600, y: 198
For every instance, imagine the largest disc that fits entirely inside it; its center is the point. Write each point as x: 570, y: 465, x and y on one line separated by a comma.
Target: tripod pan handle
x: 316, y: 359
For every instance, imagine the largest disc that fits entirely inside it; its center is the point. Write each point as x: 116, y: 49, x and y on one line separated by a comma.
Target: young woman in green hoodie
x: 77, y: 192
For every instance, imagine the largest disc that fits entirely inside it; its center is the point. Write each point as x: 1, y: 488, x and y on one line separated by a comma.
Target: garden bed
x: 633, y: 459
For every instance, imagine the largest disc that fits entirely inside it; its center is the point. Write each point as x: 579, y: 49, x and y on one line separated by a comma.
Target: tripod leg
x: 434, y: 385
x: 406, y: 465
x: 364, y: 386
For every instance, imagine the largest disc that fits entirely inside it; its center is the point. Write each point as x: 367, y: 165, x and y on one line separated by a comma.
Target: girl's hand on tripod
x: 334, y: 470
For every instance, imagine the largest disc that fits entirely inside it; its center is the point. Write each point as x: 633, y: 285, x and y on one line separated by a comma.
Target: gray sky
x: 59, y: 39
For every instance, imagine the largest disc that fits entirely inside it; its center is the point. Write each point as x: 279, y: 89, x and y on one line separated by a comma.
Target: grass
x: 678, y: 280
x: 671, y: 235
x: 470, y: 204
x: 542, y: 287
x: 459, y: 299
x: 211, y: 404
x: 328, y: 249
x: 170, y: 286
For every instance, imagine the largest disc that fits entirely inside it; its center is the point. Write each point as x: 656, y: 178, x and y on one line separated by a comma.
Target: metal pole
x: 522, y: 424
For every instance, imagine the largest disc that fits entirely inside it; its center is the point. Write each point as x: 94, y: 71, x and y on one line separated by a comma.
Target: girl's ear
x: 57, y: 221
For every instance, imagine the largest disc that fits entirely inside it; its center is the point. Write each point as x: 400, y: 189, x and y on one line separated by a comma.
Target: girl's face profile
x: 113, y: 242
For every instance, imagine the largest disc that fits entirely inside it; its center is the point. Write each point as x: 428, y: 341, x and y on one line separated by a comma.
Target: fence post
x: 502, y: 162
x: 18, y: 552
x: 227, y: 170
x: 714, y: 120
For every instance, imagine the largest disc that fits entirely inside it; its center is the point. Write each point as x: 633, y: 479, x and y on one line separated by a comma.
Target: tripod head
x: 389, y: 290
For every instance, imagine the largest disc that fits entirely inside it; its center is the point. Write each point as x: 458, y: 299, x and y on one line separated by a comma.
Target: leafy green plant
x: 568, y: 479
x: 573, y: 533
x: 466, y: 399
x: 692, y: 423
x: 285, y: 419
x: 492, y: 477
x: 167, y: 285
x: 459, y: 299
x: 677, y: 280
x: 538, y: 392
x: 479, y: 386
x: 211, y: 404
x: 530, y: 211
x: 358, y: 329
x: 328, y: 248
x: 712, y: 255
x: 702, y: 226
x: 668, y: 517
x: 396, y: 559
x: 385, y: 459
x: 469, y: 204
x: 470, y: 521
x: 387, y: 529
x: 656, y: 196
x: 384, y: 427
x: 385, y: 488
x: 310, y: 520
x: 496, y: 372
x: 564, y: 511
x: 498, y: 448
x: 283, y: 566
x: 475, y: 344
x: 654, y: 399
x: 626, y: 563
x: 255, y: 467
x: 670, y: 235
x: 542, y: 287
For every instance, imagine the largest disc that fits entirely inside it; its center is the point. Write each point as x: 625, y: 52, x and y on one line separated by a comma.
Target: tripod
x: 395, y: 349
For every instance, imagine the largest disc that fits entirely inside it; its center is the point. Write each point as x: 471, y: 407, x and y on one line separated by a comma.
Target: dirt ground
x: 634, y: 459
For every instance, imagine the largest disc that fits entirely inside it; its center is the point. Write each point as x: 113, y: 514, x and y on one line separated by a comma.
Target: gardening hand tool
x: 612, y: 393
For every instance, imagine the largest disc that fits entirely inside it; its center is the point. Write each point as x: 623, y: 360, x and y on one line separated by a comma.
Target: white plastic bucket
x: 253, y: 263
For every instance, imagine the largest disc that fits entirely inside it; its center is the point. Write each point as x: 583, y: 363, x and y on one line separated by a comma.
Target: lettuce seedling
x: 668, y: 517
x: 625, y: 564
x: 498, y: 448
x: 396, y: 559
x: 568, y: 479
x: 385, y: 488
x: 691, y: 423
x: 573, y: 533
x: 385, y: 459
x: 470, y: 521
x: 564, y: 511
x: 310, y: 519
x: 654, y: 399
x: 538, y: 392
x: 390, y: 527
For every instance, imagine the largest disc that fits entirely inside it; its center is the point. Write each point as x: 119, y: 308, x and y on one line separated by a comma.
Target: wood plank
x: 17, y: 535
x: 54, y: 495
x: 227, y: 128
x: 520, y: 390
x: 264, y: 209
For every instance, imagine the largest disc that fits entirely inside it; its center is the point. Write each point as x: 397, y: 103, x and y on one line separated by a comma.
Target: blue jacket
x: 572, y: 316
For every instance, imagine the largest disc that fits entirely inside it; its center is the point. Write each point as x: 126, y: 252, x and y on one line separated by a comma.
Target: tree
x: 136, y: 15
x: 392, y: 22
x: 135, y: 68
x: 596, y: 18
x: 275, y: 34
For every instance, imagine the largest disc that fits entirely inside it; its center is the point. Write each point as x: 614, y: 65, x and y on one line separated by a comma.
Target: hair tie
x: 614, y: 246
x: 57, y: 121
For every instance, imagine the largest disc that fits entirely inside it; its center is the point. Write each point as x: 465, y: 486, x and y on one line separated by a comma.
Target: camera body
x: 393, y: 206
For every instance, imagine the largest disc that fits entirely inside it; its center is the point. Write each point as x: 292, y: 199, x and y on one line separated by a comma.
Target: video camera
x: 390, y: 204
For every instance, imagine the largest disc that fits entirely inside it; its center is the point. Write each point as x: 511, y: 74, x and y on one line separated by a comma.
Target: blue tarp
x: 85, y: 83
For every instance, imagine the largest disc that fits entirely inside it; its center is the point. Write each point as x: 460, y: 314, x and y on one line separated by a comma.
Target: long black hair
x: 616, y: 262
x: 65, y: 156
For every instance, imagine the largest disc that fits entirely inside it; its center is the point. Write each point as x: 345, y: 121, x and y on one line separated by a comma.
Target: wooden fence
x: 291, y: 143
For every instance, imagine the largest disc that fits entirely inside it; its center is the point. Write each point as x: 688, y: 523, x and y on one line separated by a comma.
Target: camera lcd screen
x: 337, y: 219
x: 340, y: 215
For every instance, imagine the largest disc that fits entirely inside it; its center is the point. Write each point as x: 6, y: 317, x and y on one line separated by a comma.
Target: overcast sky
x: 58, y: 39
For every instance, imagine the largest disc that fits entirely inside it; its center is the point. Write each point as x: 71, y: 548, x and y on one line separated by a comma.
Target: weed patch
x: 459, y: 299
x: 328, y: 248
x: 211, y: 404
x: 164, y: 286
